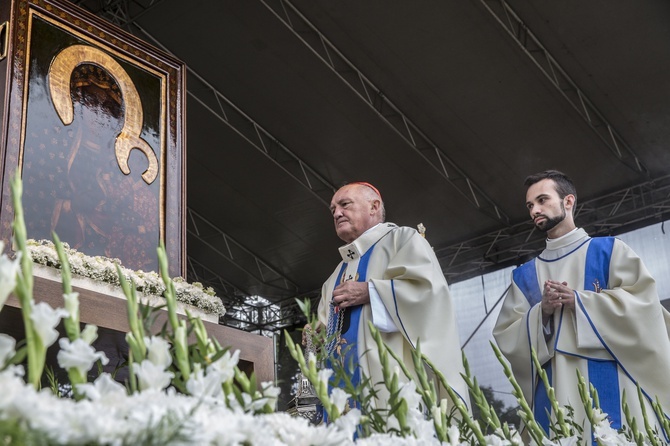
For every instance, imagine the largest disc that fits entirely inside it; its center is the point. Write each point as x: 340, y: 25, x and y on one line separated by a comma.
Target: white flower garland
x: 103, y: 269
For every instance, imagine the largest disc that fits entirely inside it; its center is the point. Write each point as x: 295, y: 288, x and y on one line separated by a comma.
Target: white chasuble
x: 616, y: 337
x: 403, y: 269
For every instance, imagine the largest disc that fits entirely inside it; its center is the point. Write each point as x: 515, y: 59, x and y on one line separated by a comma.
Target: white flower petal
x: 45, y: 319
x: 8, y: 271
x: 151, y: 376
x: 158, y: 351
x: 79, y: 355
x: 7, y: 346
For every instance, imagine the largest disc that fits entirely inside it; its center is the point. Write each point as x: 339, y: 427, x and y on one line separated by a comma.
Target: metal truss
x: 247, y: 312
x: 259, y: 138
x: 387, y: 111
x: 538, y: 54
x: 242, y: 258
x: 122, y: 13
x: 610, y: 214
x: 243, y: 310
x: 230, y: 294
x: 267, y: 319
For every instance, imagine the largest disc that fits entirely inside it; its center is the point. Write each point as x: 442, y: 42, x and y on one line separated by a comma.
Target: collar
x: 358, y: 247
x: 558, y: 247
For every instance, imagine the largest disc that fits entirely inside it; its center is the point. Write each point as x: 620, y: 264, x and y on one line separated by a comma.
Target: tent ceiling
x: 444, y: 106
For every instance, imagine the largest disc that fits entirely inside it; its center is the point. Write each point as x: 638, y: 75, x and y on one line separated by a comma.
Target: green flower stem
x: 428, y: 391
x: 647, y: 426
x: 587, y: 401
x: 178, y: 327
x: 460, y: 405
x: 131, y: 375
x: 205, y: 346
x: 487, y: 413
x: 71, y: 323
x: 638, y: 437
x: 423, y: 387
x: 534, y: 429
x: 135, y: 337
x: 181, y: 350
x: 310, y: 372
x: 35, y: 350
x: 560, y: 419
x: 665, y: 422
x: 169, y: 294
x: 398, y: 406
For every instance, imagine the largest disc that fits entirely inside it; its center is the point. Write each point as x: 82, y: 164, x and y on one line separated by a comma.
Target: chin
x: 346, y: 237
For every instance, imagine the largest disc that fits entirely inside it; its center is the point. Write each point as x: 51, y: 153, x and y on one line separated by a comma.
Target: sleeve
x: 380, y: 315
x: 416, y: 295
x: 518, y: 331
x: 630, y: 322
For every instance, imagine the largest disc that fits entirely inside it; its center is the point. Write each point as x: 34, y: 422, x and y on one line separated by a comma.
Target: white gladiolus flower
x: 104, y: 388
x: 71, y: 303
x: 7, y: 345
x: 408, y: 393
x: 324, y: 376
x: 89, y: 333
x: 269, y: 390
x: 348, y: 423
x: 226, y: 365
x: 205, y: 386
x: 78, y: 355
x: 8, y: 271
x: 607, y: 436
x: 45, y: 320
x: 339, y: 397
x: 454, y: 435
x: 151, y: 376
x: 158, y: 351
x: 12, y: 386
x: 569, y: 441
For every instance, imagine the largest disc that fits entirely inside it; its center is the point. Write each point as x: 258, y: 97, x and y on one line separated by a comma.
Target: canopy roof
x: 445, y: 106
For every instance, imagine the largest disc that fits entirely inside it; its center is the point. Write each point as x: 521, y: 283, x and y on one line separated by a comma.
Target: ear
x: 569, y: 201
x: 375, y: 205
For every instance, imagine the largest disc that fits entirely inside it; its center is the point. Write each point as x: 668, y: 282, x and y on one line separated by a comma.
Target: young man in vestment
x: 586, y: 304
x: 388, y: 275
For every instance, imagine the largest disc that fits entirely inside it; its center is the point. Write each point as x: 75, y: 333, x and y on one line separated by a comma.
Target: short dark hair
x: 564, y: 185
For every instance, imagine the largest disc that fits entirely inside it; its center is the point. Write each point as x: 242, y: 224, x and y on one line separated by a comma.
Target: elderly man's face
x: 353, y: 212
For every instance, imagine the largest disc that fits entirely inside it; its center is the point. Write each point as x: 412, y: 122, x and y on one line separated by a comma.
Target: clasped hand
x: 350, y: 293
x: 556, y: 295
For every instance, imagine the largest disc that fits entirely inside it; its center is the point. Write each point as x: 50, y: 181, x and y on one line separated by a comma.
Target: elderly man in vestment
x: 388, y: 275
x: 584, y: 304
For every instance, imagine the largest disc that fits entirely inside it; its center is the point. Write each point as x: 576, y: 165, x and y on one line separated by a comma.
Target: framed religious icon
x: 93, y: 121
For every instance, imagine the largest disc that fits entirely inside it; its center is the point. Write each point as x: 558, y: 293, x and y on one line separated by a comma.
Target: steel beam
x: 122, y: 13
x: 609, y: 214
x: 503, y: 13
x: 385, y: 109
x: 235, y: 253
x: 256, y: 135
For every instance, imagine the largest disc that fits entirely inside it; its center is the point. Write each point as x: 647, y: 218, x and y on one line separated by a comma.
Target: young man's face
x: 546, y: 208
x: 353, y: 212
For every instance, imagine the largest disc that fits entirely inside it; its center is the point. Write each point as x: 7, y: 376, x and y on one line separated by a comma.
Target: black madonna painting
x: 100, y: 149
